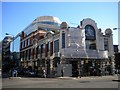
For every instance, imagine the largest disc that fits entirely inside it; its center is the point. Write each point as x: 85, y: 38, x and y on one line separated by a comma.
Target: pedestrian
x: 44, y: 73
x: 77, y: 73
x: 62, y: 72
x: 14, y: 73
x: 80, y: 73
x: 10, y: 73
x: 94, y: 72
x: 100, y: 72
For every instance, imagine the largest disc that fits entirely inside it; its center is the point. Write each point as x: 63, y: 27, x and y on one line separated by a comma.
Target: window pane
x: 56, y: 46
x: 63, y: 40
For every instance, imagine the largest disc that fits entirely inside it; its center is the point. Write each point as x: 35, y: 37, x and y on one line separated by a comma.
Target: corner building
x: 53, y: 46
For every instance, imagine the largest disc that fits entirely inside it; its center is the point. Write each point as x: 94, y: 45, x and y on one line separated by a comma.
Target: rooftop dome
x: 48, y: 19
x: 63, y: 25
x: 108, y: 31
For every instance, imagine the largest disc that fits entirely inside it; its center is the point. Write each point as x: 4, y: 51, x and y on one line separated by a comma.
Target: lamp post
x: 116, y: 28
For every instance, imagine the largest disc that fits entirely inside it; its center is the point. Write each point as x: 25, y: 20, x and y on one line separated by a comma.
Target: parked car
x: 25, y: 72
x: 20, y: 71
x: 30, y: 73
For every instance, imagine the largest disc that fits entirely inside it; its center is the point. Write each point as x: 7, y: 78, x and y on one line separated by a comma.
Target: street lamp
x: 116, y: 28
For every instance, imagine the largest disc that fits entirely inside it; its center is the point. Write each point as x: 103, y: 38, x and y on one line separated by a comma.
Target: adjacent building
x: 0, y: 58
x: 15, y: 50
x: 47, y: 43
x: 6, y: 54
x: 117, y: 57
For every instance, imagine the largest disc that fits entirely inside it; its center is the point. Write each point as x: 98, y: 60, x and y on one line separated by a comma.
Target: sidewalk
x: 15, y: 77
x: 114, y: 78
x: 91, y: 77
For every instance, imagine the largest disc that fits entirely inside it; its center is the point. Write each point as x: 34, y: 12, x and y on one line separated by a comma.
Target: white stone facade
x: 84, y: 47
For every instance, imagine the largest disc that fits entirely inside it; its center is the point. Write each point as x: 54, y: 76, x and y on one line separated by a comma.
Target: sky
x: 17, y: 15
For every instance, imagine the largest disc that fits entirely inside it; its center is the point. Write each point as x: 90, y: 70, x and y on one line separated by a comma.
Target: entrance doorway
x: 74, y: 68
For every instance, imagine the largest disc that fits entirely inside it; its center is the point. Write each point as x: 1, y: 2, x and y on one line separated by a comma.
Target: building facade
x: 6, y: 59
x: 47, y: 44
x: 15, y: 50
x: 117, y: 58
x: 30, y: 37
x: 0, y: 59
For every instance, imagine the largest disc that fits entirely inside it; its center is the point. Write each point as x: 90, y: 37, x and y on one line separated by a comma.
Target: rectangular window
x: 29, y: 53
x: 106, y: 44
x: 24, y: 43
x: 33, y: 52
x: 63, y: 40
x: 48, y: 46
x: 51, y: 48
x: 92, y: 46
x: 41, y: 49
x: 28, y: 42
x: 46, y: 49
x: 56, y: 46
x: 23, y: 55
x: 21, y: 45
x: 37, y: 51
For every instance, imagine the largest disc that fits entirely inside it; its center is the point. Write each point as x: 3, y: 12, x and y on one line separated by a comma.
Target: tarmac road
x: 62, y: 82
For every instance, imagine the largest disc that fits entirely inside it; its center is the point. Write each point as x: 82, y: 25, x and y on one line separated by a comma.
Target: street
x: 62, y: 82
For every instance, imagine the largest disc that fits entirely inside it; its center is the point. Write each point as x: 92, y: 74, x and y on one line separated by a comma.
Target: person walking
x: 62, y: 72
x: 44, y: 73
x: 14, y: 73
x: 77, y: 73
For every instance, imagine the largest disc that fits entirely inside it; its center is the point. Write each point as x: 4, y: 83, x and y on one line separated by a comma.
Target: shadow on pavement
x: 116, y: 80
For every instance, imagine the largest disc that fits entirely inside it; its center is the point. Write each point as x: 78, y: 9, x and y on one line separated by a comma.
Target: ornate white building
x: 84, y: 48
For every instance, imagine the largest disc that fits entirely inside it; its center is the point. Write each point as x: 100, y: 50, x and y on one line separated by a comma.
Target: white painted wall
x: 77, y: 38
x: 101, y: 43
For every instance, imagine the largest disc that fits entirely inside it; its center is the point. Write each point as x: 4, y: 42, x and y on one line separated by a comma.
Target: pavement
x: 114, y: 77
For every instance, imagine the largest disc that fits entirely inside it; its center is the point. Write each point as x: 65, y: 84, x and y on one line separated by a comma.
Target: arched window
x: 90, y: 32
